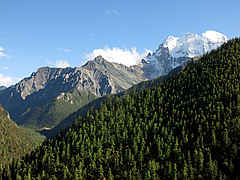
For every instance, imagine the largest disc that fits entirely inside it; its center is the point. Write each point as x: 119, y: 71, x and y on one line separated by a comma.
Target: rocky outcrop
x: 2, y: 88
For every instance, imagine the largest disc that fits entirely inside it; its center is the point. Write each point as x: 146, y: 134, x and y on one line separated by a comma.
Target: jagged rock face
x: 2, y: 88
x: 173, y: 52
x: 98, y: 77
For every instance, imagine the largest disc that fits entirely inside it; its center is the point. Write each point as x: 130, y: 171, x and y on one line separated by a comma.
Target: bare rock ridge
x: 98, y: 77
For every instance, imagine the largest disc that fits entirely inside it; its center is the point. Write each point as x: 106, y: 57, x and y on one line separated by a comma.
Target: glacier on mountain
x: 174, y: 51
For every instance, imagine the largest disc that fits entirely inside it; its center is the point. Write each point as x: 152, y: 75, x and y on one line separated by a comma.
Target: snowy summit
x: 174, y: 51
x: 194, y: 45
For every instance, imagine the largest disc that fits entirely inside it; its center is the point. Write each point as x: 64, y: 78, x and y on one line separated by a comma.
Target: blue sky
x: 60, y: 33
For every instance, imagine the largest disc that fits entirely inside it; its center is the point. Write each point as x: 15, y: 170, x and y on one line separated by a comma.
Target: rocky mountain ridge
x: 98, y: 77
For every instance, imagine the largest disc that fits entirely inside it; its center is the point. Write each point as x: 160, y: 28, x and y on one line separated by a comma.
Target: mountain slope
x: 185, y: 128
x: 101, y: 77
x: 54, y: 111
x: 140, y: 87
x: 48, y: 83
x: 175, y: 51
x: 14, y: 143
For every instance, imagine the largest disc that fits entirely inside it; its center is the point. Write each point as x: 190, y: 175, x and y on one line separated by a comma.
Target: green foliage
x: 54, y: 111
x: 39, y: 138
x: 185, y: 128
x: 14, y: 143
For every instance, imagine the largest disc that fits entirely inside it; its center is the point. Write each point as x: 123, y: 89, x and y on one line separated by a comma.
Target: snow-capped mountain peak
x: 174, y: 51
x: 215, y: 36
x: 194, y: 45
x: 170, y: 43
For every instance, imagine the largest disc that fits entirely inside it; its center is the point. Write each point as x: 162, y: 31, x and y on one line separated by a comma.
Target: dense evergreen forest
x: 185, y: 128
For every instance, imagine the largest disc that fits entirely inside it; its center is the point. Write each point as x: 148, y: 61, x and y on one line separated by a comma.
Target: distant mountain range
x: 35, y: 101
x: 98, y: 77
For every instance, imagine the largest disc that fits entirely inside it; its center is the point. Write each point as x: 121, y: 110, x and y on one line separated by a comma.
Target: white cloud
x: 49, y: 62
x: 110, y: 12
x: 37, y: 57
x: 59, y: 63
x: 63, y: 49
x: 1, y: 53
x: 5, y: 80
x: 121, y: 56
x: 62, y: 64
x: 4, y: 67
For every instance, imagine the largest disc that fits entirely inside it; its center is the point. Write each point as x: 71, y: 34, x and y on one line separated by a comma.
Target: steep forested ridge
x: 14, y: 143
x: 185, y: 128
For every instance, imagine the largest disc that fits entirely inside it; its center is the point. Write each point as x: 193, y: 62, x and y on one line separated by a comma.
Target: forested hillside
x: 55, y: 110
x: 14, y: 143
x: 185, y: 128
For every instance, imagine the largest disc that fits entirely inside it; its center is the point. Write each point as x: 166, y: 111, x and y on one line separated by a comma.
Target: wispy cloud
x: 62, y: 64
x: 59, y: 63
x: 63, y: 49
x: 49, y: 62
x: 121, y: 56
x: 110, y: 12
x: 6, y: 80
x: 37, y: 57
x: 2, y: 54
x: 4, y: 67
